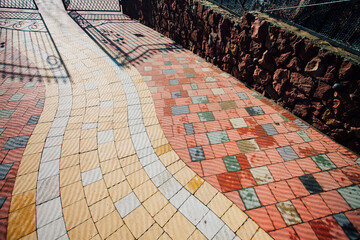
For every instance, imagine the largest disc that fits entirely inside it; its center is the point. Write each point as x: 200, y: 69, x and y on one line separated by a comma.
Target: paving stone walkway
x: 136, y: 137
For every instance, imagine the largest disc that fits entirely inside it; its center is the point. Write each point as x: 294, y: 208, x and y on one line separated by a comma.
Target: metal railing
x: 93, y: 5
x: 18, y: 4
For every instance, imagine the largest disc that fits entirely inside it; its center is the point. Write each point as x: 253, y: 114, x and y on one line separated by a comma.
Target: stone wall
x: 317, y: 85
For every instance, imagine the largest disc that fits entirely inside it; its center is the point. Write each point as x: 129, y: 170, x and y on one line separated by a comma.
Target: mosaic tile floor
x: 158, y: 144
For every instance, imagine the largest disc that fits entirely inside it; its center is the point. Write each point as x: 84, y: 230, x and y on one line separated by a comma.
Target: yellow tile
x: 153, y: 233
x: 205, y: 193
x: 148, y: 121
x: 114, y: 177
x: 145, y: 190
x: 119, y: 191
x: 261, y: 235
x: 137, y: 178
x: 102, y: 126
x: 37, y: 138
x: 95, y: 192
x: 197, y: 235
x: 155, y: 132
x: 234, y: 217
x: 78, y: 112
x: 85, y: 230
x: 70, y: 147
x: 107, y: 151
x: 43, y: 127
x: 163, y: 149
x: 109, y: 224
x: 110, y: 165
x: 22, y: 200
x: 121, y: 134
x: 169, y: 158
x: 88, y: 144
x: 96, y: 237
x: 69, y: 161
x: 121, y: 233
x: 129, y: 160
x: 69, y: 175
x: 29, y: 164
x: 25, y: 183
x: 138, y: 221
x: 175, y: 231
x: 31, y: 236
x: 159, y: 142
x: 75, y: 119
x: 89, y: 160
x: 164, y: 236
x: 88, y: 133
x: 155, y: 203
x: 125, y: 148
x: 76, y: 213
x: 194, y: 184
x: 34, y: 148
x: 71, y: 193
x: 175, y: 167
x: 185, y: 175
x: 105, y: 119
x: 247, y: 230
x: 21, y: 222
x: 165, y: 214
x: 101, y: 209
x: 72, y: 133
x: 219, y: 204
x: 131, y: 168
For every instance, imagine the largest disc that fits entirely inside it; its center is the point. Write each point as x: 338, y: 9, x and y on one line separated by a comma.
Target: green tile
x: 167, y: 63
x: 289, y: 213
x: 226, y: 105
x: 6, y: 113
x: 218, y: 137
x: 199, y: 60
x: 351, y: 195
x: 358, y: 161
x: 210, y: 79
x: 181, y: 58
x: 16, y: 97
x: 199, y: 99
x: 249, y: 198
x: 231, y: 163
x: 206, y: 116
x: 185, y: 66
x: 258, y: 96
x: 2, y: 130
x: 194, y: 86
x: 283, y: 117
x: 189, y: 75
x: 304, y: 136
x: 323, y: 162
x: 3, y: 91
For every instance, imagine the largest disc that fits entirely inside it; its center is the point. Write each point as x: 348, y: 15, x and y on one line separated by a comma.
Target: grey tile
x: 179, y: 198
x: 47, y: 189
x: 146, y: 160
x: 311, y: 184
x: 193, y: 210
x: 90, y: 86
x: 174, y: 82
x: 49, y: 169
x: 30, y: 84
x: 41, y: 102
x: 16, y: 97
x: 161, y: 178
x: 287, y: 153
x: 254, y: 111
x: 189, y: 75
x: 33, y: 120
x: 196, y: 153
x: 53, y: 230
x: 154, y: 168
x: 105, y: 136
x: 127, y: 204
x: 210, y: 79
x: 301, y: 124
x: 176, y: 94
x: 60, y: 122
x: 224, y: 233
x: 6, y: 113
x: 170, y: 188
x: 210, y: 225
x: 106, y: 104
x: 304, y: 136
x: 86, y: 126
x: 242, y: 95
x: 140, y: 141
x: 199, y: 99
x: 347, y: 226
x: 189, y: 128
x: 51, y: 153
x: 4, y: 170
x: 258, y: 96
x: 168, y: 71
x: 181, y: 58
x: 351, y: 195
x: 218, y: 137
x: 179, y: 110
x: 56, y: 131
x: 2, y: 130
x: 249, y: 198
x: 206, y: 116
x: 16, y: 142
x: 2, y: 201
x: 48, y: 212
x: 167, y: 63
x: 269, y: 129
x: 91, y: 176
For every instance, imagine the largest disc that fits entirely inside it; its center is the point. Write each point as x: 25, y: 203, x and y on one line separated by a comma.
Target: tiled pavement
x: 146, y: 150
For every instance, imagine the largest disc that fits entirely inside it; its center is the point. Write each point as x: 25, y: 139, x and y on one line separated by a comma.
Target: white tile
x: 224, y: 233
x: 140, y: 140
x: 53, y: 230
x: 86, y: 126
x: 63, y: 237
x: 91, y: 176
x: 238, y: 122
x: 144, y: 152
x: 60, y: 122
x: 217, y: 91
x: 148, y: 159
x: 63, y: 113
x: 56, y: 132
x: 53, y: 141
x: 180, y: 197
x: 135, y: 121
x: 51, y: 153
x: 134, y: 112
x: 134, y: 129
x: 161, y: 178
x: 170, y: 187
x: 48, y: 169
x: 210, y: 225
x: 47, y: 189
x: 127, y: 204
x: 48, y: 212
x: 154, y: 168
x: 65, y: 106
x: 105, y: 136
x: 90, y: 86
x: 193, y: 210
x: 105, y: 104
x: 133, y: 101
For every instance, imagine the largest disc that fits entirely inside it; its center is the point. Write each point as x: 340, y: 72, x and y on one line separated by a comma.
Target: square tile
x: 33, y: 120
x: 218, y: 137
x: 210, y: 79
x: 30, y: 84
x: 311, y: 184
x: 262, y: 175
x: 238, y: 122
x: 168, y: 71
x: 301, y: 124
x: 174, y: 81
x: 249, y: 198
x: 91, y: 176
x: 231, y: 163
x: 254, y: 111
x: 90, y: 86
x: 243, y: 95
x: 16, y: 142
x: 258, y: 96
x: 304, y: 136
x: 2, y: 200
x: 199, y: 99
x: 189, y: 75
x: 2, y: 130
x: 269, y: 129
x: 16, y: 97
x: 4, y: 170
x: 189, y: 128
x: 226, y: 105
x: 287, y: 153
x: 218, y: 91
x: 167, y: 63
x: 181, y: 58
x: 323, y: 162
x: 206, y: 116
x: 347, y: 226
x: 41, y: 102
x: 127, y: 204
x: 179, y: 110
x: 176, y: 94
x: 351, y: 195
x: 289, y: 213
x: 194, y: 86
x: 247, y: 146
x: 105, y: 136
x: 196, y: 153
x: 6, y: 113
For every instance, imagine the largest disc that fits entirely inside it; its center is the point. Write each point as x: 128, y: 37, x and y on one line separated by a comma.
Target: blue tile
x: 41, y: 102
x: 287, y: 153
x: 4, y: 170
x: 311, y: 184
x: 178, y: 110
x: 16, y: 142
x: 242, y: 95
x: 254, y: 111
x: 347, y: 226
x: 269, y: 129
x: 176, y: 94
x: 189, y: 75
x: 301, y: 124
x: 33, y: 120
x: 197, y: 153
x: 2, y: 200
x: 189, y: 128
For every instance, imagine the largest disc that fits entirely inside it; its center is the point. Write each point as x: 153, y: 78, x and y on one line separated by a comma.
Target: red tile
x: 285, y: 234
x: 263, y: 119
x: 201, y: 139
x: 318, y: 147
x: 213, y: 167
x: 247, y: 132
x: 335, y: 202
x: 293, y: 138
x: 196, y: 167
x: 279, y: 171
x: 250, y: 121
x: 184, y: 154
x: 289, y: 116
x: 181, y: 119
x: 220, y: 115
x: 281, y: 128
x: 234, y: 196
x: 337, y: 159
x: 179, y: 129
x: 266, y: 142
x: 281, y: 140
x: 229, y: 182
x: 244, y: 164
x: 304, y: 231
x: 261, y: 217
x: 354, y: 218
x: 275, y: 217
x: 264, y: 194
x: 219, y: 150
x: 199, y: 127
x: 340, y: 177
x: 209, y: 154
x: 213, y: 180
x: 233, y: 135
x: 3, y: 227
x: 193, y: 118
x: 281, y: 191
x: 316, y: 206
x: 304, y: 150
x: 353, y: 173
x: 321, y: 228
x: 190, y: 140
x: 232, y: 148
x: 297, y: 187
x: 226, y: 125
x: 302, y: 210
x: 308, y: 165
x: 294, y: 168
x: 274, y: 156
x: 326, y: 181
x: 257, y: 159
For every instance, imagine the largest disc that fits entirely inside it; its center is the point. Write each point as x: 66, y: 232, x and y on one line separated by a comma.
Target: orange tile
x: 213, y: 167
x: 335, y: 202
x: 279, y: 171
x: 316, y: 206
x: 265, y: 195
x: 275, y: 217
